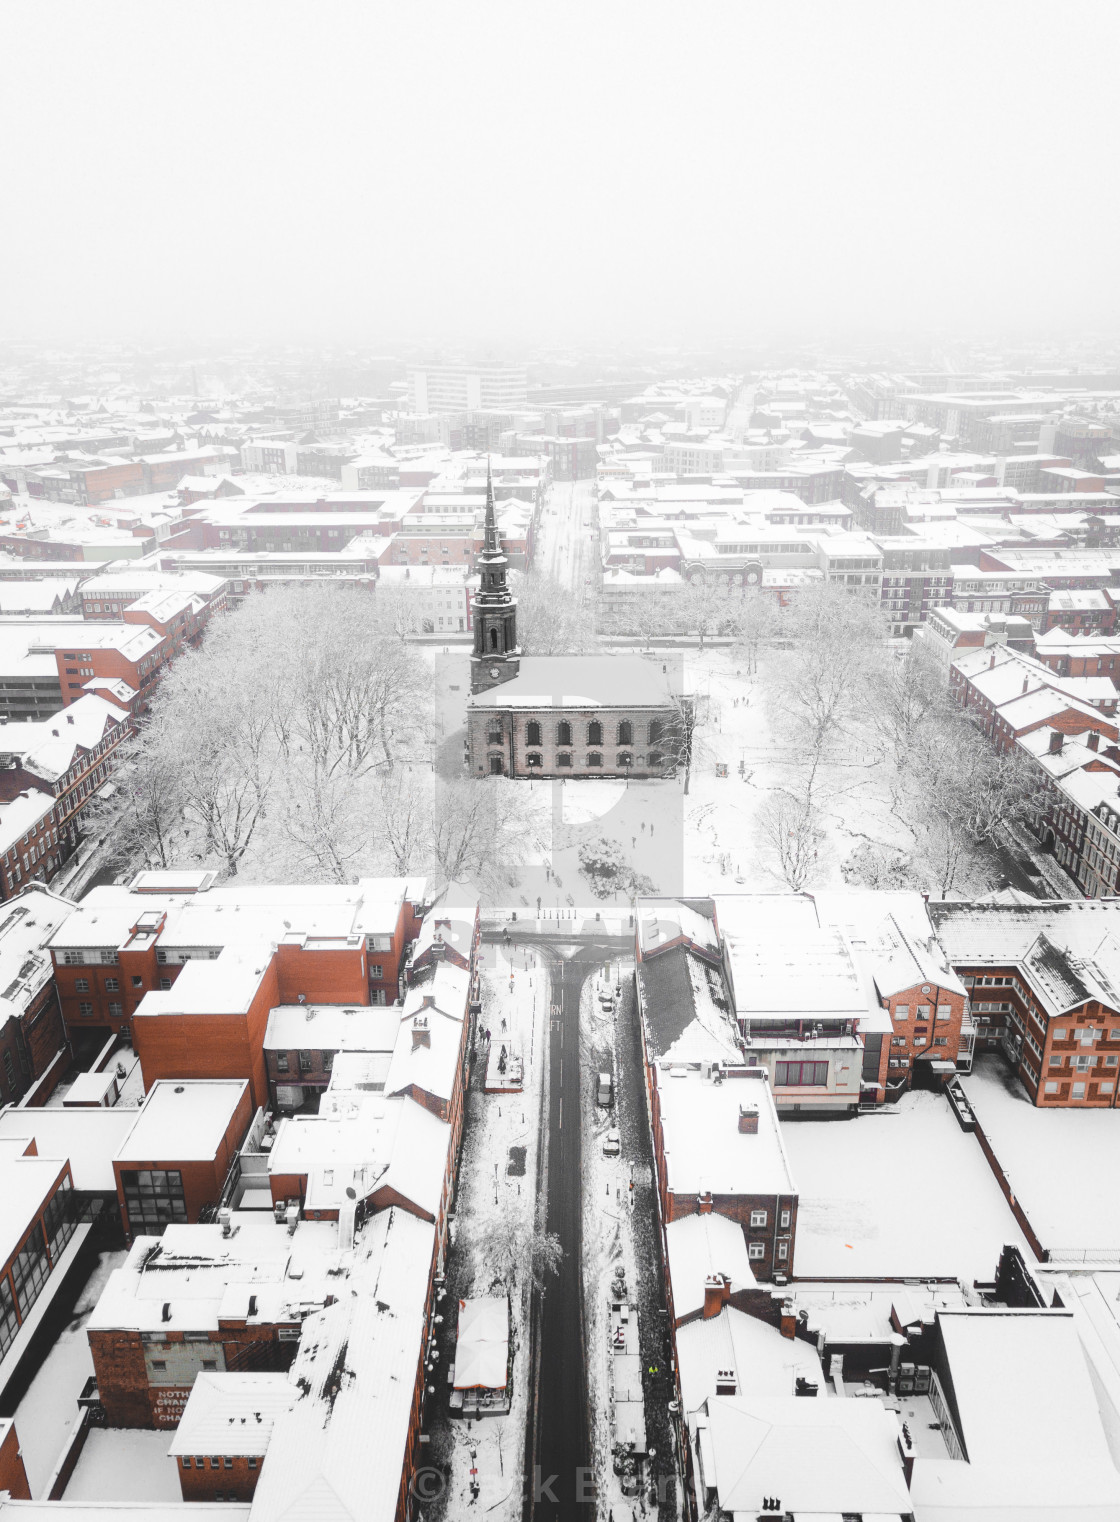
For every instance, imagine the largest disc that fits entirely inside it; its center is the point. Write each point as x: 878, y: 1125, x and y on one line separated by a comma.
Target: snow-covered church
x: 559, y: 715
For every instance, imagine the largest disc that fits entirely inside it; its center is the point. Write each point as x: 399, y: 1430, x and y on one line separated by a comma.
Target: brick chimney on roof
x: 717, y: 1292
x: 748, y: 1120
x: 421, y: 1032
x: 1057, y: 739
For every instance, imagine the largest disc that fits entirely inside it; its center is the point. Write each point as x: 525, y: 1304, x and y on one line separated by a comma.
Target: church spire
x: 496, y: 652
x: 493, y: 543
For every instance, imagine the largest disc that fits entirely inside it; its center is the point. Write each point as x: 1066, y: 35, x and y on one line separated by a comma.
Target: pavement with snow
x: 497, y: 1177
x: 48, y: 1411
x: 901, y: 1192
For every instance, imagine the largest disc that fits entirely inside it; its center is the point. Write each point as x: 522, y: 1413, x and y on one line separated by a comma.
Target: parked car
x: 604, y: 1091
x: 612, y: 1144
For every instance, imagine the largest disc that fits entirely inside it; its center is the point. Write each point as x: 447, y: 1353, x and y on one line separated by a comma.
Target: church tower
x: 496, y: 655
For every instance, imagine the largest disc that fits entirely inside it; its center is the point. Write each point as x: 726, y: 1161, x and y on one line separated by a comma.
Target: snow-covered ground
x: 515, y: 989
x: 1061, y: 1164
x: 608, y: 1237
x: 47, y: 1413
x: 707, y: 840
x: 900, y: 1192
x: 125, y: 1464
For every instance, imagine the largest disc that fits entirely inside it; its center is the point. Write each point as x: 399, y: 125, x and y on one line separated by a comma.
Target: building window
x: 756, y: 1250
x: 563, y: 733
x: 1079, y: 1091
x: 281, y: 1062
x: 801, y: 1073
x: 625, y: 760
x: 654, y: 759
x: 252, y: 1461
x: 944, y: 1011
x: 305, y: 1062
x: 85, y: 1010
x: 111, y: 985
x: 564, y: 760
x: 215, y: 1463
x: 228, y: 1462
x: 81, y: 985
x: 595, y: 733
x: 533, y: 758
x: 186, y: 1461
x: 655, y: 731
x: 785, y: 1220
x: 165, y: 984
x: 758, y: 1218
x: 625, y: 733
x: 326, y: 1060
x: 116, y: 1010
x: 533, y: 733
x: 30, y: 1270
x: 153, y: 1197
x: 594, y: 758
x: 783, y: 1250
x: 137, y: 982
x: 377, y: 970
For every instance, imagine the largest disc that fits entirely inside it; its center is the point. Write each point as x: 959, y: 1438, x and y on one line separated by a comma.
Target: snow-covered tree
x: 788, y: 828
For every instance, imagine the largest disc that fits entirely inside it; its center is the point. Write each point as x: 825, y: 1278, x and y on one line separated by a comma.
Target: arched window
x: 626, y: 732
x: 654, y: 760
x: 564, y: 759
x: 533, y: 735
x: 595, y: 733
x: 533, y: 758
x: 625, y: 760
x: 594, y: 759
x: 493, y: 639
x: 655, y: 728
x: 564, y: 735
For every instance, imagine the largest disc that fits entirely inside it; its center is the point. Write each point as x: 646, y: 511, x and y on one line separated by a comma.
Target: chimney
x: 704, y: 1202
x: 992, y: 661
x: 716, y: 1293
x: 748, y: 1120
x: 1093, y: 739
x: 1057, y: 739
x: 69, y: 718
x: 421, y: 1032
x: 291, y: 1215
x: 1026, y: 683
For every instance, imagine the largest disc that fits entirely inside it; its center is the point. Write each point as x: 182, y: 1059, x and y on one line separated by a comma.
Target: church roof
x: 582, y: 681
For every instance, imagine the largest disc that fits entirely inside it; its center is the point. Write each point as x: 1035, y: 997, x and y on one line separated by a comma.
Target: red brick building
x: 1048, y: 972
x: 13, y: 1476
x: 178, y: 1155
x: 191, y: 972
x: 31, y: 1032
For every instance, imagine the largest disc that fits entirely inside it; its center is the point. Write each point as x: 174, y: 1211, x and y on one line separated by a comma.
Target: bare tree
x: 789, y: 828
x: 837, y: 639
x: 514, y: 1252
x: 752, y: 622
x: 551, y: 619
x: 968, y: 795
x: 481, y: 831
x: 681, y: 731
x: 140, y: 815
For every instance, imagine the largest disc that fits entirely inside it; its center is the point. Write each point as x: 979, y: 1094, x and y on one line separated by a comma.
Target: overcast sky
x: 557, y: 172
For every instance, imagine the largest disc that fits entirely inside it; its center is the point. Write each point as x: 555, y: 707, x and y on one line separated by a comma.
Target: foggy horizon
x: 498, y: 180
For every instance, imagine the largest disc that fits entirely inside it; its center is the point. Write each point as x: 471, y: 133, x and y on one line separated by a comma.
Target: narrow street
x: 560, y: 1442
x: 566, y: 548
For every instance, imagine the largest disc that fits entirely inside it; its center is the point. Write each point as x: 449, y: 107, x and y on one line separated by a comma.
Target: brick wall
x: 218, y: 1477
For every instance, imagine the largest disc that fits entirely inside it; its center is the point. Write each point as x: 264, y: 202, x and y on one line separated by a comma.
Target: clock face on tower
x: 494, y: 671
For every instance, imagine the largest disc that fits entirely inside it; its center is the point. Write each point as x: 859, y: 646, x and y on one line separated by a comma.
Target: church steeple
x: 496, y: 652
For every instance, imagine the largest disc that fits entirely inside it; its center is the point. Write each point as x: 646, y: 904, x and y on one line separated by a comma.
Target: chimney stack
x: 1093, y: 739
x: 748, y: 1120
x: 717, y: 1291
x: 1057, y: 739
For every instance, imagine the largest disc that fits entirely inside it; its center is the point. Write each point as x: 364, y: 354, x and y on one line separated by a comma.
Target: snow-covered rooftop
x: 184, y: 1120
x: 582, y: 681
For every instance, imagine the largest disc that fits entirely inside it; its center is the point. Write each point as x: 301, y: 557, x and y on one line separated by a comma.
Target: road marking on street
x: 560, y: 1127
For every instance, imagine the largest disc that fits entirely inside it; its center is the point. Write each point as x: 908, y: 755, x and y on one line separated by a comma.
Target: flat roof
x: 183, y: 1120
x: 704, y: 1148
